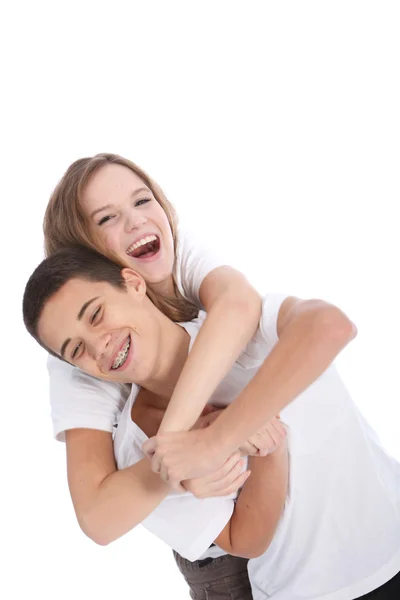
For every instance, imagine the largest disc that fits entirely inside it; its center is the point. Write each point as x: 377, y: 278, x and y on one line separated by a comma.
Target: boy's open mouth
x: 146, y: 247
x: 122, y: 355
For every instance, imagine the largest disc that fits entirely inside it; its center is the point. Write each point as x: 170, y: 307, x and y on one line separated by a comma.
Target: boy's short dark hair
x: 55, y: 271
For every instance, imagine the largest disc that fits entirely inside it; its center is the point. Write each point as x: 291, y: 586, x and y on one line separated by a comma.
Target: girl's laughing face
x: 124, y: 213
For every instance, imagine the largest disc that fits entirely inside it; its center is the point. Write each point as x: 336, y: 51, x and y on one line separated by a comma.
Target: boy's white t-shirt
x: 339, y: 536
x: 80, y: 401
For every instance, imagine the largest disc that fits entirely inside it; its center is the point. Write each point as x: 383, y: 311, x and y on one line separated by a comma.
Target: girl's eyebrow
x: 100, y: 209
x: 106, y: 206
x: 140, y: 190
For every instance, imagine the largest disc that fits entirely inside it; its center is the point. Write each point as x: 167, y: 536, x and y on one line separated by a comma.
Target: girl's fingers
x: 248, y: 448
x: 281, y: 429
x: 265, y: 442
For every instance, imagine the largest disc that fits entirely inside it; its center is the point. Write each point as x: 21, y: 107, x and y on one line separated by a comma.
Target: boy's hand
x: 227, y: 480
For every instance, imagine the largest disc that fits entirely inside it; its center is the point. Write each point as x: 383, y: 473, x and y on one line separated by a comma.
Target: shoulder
x: 80, y: 401
x: 274, y: 306
x: 66, y: 378
x: 194, y: 261
x: 190, y: 246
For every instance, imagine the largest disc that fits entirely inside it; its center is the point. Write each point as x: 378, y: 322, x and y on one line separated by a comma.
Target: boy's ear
x: 134, y: 280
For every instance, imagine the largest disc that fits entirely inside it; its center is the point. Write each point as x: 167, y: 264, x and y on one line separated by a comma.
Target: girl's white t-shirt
x: 78, y: 400
x: 339, y: 536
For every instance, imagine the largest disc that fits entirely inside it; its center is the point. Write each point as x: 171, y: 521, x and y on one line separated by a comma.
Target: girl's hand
x: 227, y: 480
x: 179, y: 456
x: 182, y: 455
x: 162, y: 453
x: 267, y: 440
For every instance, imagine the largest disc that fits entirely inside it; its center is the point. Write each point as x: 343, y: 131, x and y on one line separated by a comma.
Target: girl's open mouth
x: 146, y: 247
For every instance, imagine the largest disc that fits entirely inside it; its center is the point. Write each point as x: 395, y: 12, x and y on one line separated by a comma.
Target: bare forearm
x: 120, y: 502
x: 306, y: 348
x: 259, y: 506
x: 226, y: 331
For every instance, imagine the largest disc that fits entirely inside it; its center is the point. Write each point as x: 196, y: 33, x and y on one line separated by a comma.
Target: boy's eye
x: 105, y: 219
x: 142, y: 201
x: 94, y: 316
x: 76, y: 350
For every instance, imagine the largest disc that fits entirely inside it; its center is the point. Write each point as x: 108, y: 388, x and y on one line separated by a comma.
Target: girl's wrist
x: 219, y: 442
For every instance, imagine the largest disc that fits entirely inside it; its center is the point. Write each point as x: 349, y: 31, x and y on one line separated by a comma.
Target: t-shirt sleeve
x: 189, y: 525
x: 78, y: 400
x: 271, y: 306
x: 194, y: 263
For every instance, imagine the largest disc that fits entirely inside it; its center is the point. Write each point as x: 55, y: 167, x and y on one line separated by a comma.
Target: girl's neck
x: 165, y: 288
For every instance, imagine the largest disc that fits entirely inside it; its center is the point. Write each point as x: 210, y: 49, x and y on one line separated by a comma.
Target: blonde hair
x: 65, y: 224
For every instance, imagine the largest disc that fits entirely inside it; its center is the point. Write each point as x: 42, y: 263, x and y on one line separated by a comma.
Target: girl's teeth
x: 142, y: 242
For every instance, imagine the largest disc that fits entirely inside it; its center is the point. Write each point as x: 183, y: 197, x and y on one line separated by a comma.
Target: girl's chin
x: 158, y: 278
x: 151, y: 268
x: 160, y: 274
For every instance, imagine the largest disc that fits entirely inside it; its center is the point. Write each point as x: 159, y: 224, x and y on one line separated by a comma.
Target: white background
x: 274, y: 128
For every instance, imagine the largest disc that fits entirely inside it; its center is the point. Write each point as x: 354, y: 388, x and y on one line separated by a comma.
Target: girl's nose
x: 134, y: 222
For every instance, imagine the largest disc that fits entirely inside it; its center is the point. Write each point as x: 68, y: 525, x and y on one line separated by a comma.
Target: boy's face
x: 107, y: 332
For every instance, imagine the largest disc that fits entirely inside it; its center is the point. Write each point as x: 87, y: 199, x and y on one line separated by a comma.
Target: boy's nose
x: 101, y: 349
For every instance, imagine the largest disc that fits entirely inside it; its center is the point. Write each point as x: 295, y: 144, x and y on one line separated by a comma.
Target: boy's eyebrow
x: 84, y: 307
x: 79, y: 317
x: 64, y: 346
x: 135, y: 193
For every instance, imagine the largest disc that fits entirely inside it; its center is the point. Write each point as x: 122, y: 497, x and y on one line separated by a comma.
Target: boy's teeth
x: 122, y: 354
x: 142, y: 242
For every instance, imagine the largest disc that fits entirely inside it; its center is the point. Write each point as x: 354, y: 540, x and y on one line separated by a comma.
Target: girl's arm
x: 233, y: 314
x: 311, y: 333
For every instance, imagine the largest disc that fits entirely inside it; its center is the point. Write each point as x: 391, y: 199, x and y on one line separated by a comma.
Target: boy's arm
x: 259, y: 506
x: 189, y: 525
x: 109, y: 503
x: 233, y: 313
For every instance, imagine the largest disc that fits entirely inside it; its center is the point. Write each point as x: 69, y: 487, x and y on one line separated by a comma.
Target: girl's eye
x: 105, y: 219
x: 142, y: 201
x: 76, y: 350
x: 94, y: 316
